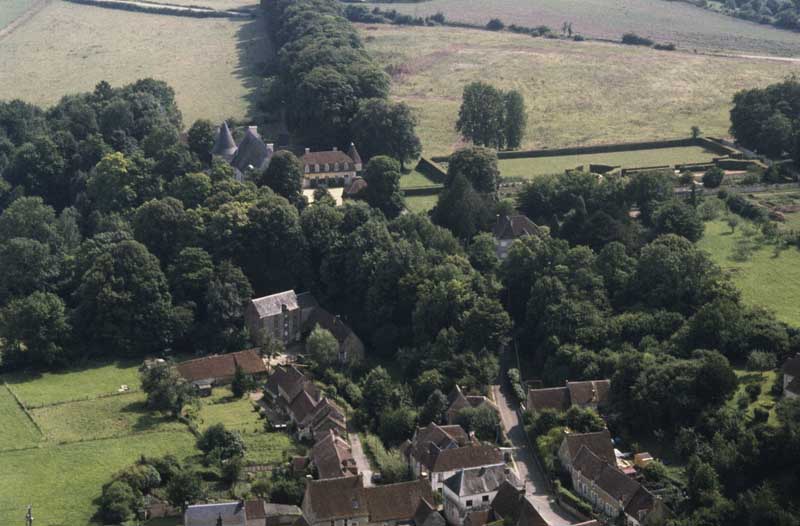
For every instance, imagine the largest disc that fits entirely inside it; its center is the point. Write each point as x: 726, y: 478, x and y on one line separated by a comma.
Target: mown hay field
x: 531, y: 167
x: 68, y: 48
x: 686, y: 26
x: 577, y: 93
x: 767, y: 277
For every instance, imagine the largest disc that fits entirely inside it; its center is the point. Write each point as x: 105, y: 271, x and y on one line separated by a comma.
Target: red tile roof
x: 222, y: 366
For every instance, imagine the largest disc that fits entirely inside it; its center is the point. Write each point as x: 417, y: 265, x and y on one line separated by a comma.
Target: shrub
x: 516, y: 385
x: 761, y: 361
x: 665, y: 47
x: 632, y: 39
x: 495, y: 24
x: 753, y: 390
x: 713, y: 177
x: 572, y: 500
x: 390, y: 463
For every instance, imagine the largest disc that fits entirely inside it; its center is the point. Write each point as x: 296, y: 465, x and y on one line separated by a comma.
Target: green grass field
x: 223, y: 408
x: 102, y: 418
x: 785, y: 201
x: 577, y: 93
x: 63, y: 481
x: 10, y: 10
x: 17, y: 429
x: 67, y: 48
x: 529, y: 168
x: 88, y: 382
x: 684, y: 25
x: 766, y: 277
x: 421, y: 203
x: 268, y: 448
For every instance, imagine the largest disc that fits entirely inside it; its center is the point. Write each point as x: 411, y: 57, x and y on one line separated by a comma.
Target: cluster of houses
x: 331, y: 168
x: 598, y: 472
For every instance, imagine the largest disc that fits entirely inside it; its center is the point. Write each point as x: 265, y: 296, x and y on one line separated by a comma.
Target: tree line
x: 768, y: 119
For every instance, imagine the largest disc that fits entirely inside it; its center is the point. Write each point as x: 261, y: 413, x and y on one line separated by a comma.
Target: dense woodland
x: 119, y: 238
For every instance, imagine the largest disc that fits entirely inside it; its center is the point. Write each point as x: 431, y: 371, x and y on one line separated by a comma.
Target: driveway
x: 527, y: 467
x: 362, y: 462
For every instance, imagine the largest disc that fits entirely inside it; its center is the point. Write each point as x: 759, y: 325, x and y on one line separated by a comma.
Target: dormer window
x: 336, y: 167
x: 327, y: 167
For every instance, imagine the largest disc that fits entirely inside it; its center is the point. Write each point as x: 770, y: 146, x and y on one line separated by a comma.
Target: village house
x: 346, y: 502
x: 330, y: 168
x: 598, y: 443
x: 510, y: 507
x: 230, y: 513
x: 438, y: 452
x: 507, y: 229
x: 612, y: 493
x: 326, y: 416
x: 791, y: 377
x: 281, y: 316
x: 592, y: 394
x: 470, y: 490
x: 260, y: 513
x: 332, y: 457
x: 459, y: 401
x: 219, y: 369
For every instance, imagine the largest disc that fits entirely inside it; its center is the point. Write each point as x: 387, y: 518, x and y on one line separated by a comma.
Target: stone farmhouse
x: 331, y: 168
x: 281, y: 316
x: 287, y: 316
x: 592, y: 393
x: 347, y: 502
x: 252, y: 153
x: 474, y: 489
x: 332, y: 457
x: 219, y: 369
x: 439, y: 452
x: 791, y: 377
x: 459, y: 401
x: 507, y: 229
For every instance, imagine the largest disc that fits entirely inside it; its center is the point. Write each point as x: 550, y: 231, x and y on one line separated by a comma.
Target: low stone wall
x: 431, y: 170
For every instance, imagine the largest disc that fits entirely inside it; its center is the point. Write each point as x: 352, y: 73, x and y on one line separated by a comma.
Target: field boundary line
x: 23, y: 18
x: 84, y: 399
x: 25, y: 410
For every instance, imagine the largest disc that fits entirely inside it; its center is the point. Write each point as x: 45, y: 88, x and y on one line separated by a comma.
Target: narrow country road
x: 362, y: 462
x: 527, y: 467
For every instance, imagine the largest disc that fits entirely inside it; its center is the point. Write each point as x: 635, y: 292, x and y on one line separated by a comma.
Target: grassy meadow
x: 89, y: 432
x: 532, y: 167
x: 767, y: 276
x: 421, y: 203
x: 765, y: 399
x: 68, y: 48
x: 575, y: 92
x: 686, y: 26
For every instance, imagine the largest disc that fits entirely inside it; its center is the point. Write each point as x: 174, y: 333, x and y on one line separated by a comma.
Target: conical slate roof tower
x: 224, y: 146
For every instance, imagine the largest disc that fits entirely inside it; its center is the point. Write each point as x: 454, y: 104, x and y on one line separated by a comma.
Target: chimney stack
x: 308, y: 150
x: 335, y: 149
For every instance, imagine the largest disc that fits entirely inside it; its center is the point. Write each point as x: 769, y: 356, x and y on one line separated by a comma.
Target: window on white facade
x: 485, y: 498
x: 469, y: 504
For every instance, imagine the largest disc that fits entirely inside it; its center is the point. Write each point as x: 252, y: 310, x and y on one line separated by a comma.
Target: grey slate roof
x: 251, y: 152
x: 792, y: 366
x: 272, y: 304
x: 232, y: 513
x: 513, y: 227
x: 224, y: 145
x: 476, y: 481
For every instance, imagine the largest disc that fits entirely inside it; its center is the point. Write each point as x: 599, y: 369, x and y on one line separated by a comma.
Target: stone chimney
x: 335, y: 149
x: 308, y: 150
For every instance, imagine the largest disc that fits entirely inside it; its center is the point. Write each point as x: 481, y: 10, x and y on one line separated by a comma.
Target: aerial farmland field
x: 68, y: 48
x: 686, y: 26
x: 574, y: 91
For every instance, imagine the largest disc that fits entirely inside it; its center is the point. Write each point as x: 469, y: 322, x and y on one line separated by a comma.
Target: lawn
x: 686, y: 26
x: 10, y: 10
x: 421, y: 204
x: 785, y: 201
x: 765, y: 399
x: 69, y: 48
x: 17, y: 429
x: 223, y: 408
x: 63, y: 481
x: 88, y: 382
x: 414, y: 179
x: 577, y: 93
x: 766, y: 276
x: 268, y: 448
x: 101, y: 418
x: 528, y: 168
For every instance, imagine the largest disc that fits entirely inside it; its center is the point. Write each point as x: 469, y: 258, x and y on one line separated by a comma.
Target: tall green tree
x: 201, y: 138
x: 516, y: 119
x: 382, y: 175
x: 381, y: 127
x: 481, y: 117
x: 478, y: 165
x: 35, y: 330
x: 461, y: 209
x: 284, y: 175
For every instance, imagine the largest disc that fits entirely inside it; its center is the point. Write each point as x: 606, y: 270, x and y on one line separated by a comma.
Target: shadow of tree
x: 147, y: 420
x: 257, y: 60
